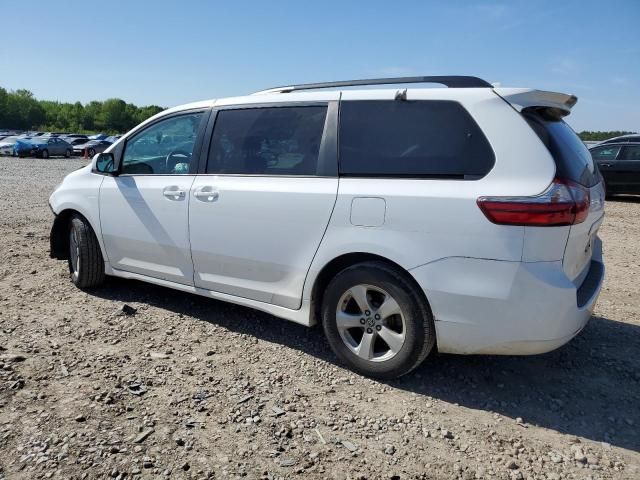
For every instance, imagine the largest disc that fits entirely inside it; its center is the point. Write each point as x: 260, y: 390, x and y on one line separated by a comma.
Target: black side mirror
x: 105, y: 163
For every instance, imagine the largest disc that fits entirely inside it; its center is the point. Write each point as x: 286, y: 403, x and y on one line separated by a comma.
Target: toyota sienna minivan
x: 404, y: 220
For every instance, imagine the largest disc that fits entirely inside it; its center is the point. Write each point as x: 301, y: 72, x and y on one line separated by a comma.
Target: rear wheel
x: 44, y: 154
x: 86, y: 264
x: 92, y: 152
x: 376, y: 320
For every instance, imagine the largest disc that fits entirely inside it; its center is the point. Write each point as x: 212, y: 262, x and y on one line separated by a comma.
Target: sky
x: 173, y: 52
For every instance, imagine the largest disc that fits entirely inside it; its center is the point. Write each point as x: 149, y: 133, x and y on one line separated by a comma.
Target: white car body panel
x: 578, y: 252
x: 80, y: 192
x: 503, y: 308
x: 264, y: 240
x: 258, y: 237
x: 145, y: 231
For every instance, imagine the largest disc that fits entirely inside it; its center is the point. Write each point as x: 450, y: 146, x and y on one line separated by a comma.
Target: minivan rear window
x: 573, y: 159
x: 423, y: 138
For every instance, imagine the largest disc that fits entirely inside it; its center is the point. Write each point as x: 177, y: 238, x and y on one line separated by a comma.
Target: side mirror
x: 105, y: 163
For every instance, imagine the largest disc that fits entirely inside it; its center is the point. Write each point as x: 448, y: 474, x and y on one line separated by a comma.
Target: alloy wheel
x: 371, y: 323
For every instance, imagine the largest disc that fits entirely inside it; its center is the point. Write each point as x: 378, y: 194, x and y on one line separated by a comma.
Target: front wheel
x: 86, y: 264
x: 376, y: 320
x: 92, y: 152
x: 45, y: 154
x: 67, y: 153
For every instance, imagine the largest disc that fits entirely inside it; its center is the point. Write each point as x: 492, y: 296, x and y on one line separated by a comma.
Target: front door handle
x: 605, y: 164
x: 206, y: 194
x: 173, y: 193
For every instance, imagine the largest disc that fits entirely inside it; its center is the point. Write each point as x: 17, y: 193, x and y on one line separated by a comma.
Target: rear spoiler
x: 553, y: 103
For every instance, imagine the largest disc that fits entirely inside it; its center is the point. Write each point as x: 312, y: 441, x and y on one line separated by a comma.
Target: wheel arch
x: 59, y: 236
x: 339, y: 263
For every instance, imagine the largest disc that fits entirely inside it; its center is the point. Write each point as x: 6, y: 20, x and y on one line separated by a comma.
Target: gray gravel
x: 188, y: 387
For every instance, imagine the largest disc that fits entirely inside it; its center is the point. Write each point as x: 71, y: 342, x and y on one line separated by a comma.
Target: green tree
x: 21, y: 110
x: 587, y: 135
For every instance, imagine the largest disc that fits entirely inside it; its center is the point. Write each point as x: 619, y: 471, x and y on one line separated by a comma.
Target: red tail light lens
x: 563, y: 203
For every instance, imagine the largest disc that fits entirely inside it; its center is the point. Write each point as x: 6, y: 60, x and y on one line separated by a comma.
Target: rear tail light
x: 563, y: 203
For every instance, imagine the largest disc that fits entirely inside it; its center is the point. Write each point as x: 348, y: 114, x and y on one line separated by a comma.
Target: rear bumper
x: 507, y: 308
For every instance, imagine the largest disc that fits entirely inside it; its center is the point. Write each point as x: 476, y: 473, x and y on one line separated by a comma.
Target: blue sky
x: 172, y: 52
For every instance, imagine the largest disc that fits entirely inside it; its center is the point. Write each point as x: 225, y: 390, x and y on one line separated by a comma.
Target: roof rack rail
x: 454, y: 81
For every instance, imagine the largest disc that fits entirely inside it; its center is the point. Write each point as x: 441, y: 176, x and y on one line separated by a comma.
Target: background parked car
x: 22, y: 147
x: 619, y: 164
x: 51, y: 146
x: 92, y: 147
x: 633, y: 137
x: 7, y: 143
x: 98, y: 136
x: 76, y: 140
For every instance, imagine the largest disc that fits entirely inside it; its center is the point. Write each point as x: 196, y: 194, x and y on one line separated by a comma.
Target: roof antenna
x: 401, y: 95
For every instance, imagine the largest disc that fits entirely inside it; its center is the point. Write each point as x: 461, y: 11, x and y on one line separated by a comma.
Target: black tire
x: 67, y: 153
x: 86, y: 264
x: 418, y: 324
x: 44, y: 154
x: 92, y: 152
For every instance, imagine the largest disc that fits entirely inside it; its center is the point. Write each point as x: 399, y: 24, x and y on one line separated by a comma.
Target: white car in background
x: 7, y: 144
x: 403, y: 220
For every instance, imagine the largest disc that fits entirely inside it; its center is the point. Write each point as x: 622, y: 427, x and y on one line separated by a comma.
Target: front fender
x: 79, y: 193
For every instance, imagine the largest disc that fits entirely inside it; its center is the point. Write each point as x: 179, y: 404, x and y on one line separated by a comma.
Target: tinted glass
x: 605, y: 153
x: 267, y: 141
x: 164, y: 148
x: 411, y: 139
x: 573, y: 159
x: 630, y: 152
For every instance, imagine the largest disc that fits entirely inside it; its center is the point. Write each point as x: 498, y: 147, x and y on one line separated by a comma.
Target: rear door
x: 260, y: 209
x: 53, y: 146
x: 605, y: 157
x: 627, y: 168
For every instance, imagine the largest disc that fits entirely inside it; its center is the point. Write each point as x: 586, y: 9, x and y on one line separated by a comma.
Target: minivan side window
x: 267, y: 141
x: 164, y: 148
x: 415, y: 139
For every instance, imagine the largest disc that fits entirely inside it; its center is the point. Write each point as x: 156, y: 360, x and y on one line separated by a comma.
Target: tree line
x: 20, y: 110
x: 587, y: 135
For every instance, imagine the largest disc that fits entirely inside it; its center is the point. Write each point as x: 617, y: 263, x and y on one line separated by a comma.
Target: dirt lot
x: 193, y: 388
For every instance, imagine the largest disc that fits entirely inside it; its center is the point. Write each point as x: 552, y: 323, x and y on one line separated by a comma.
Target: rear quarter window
x: 573, y: 160
x: 415, y: 139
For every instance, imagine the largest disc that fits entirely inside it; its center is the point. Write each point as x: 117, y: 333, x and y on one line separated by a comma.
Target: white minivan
x: 462, y: 219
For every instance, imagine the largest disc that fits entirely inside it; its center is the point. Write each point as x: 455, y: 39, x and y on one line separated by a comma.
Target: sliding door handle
x: 206, y: 194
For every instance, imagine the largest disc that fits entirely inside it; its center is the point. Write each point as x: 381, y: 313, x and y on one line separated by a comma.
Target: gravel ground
x: 188, y: 387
